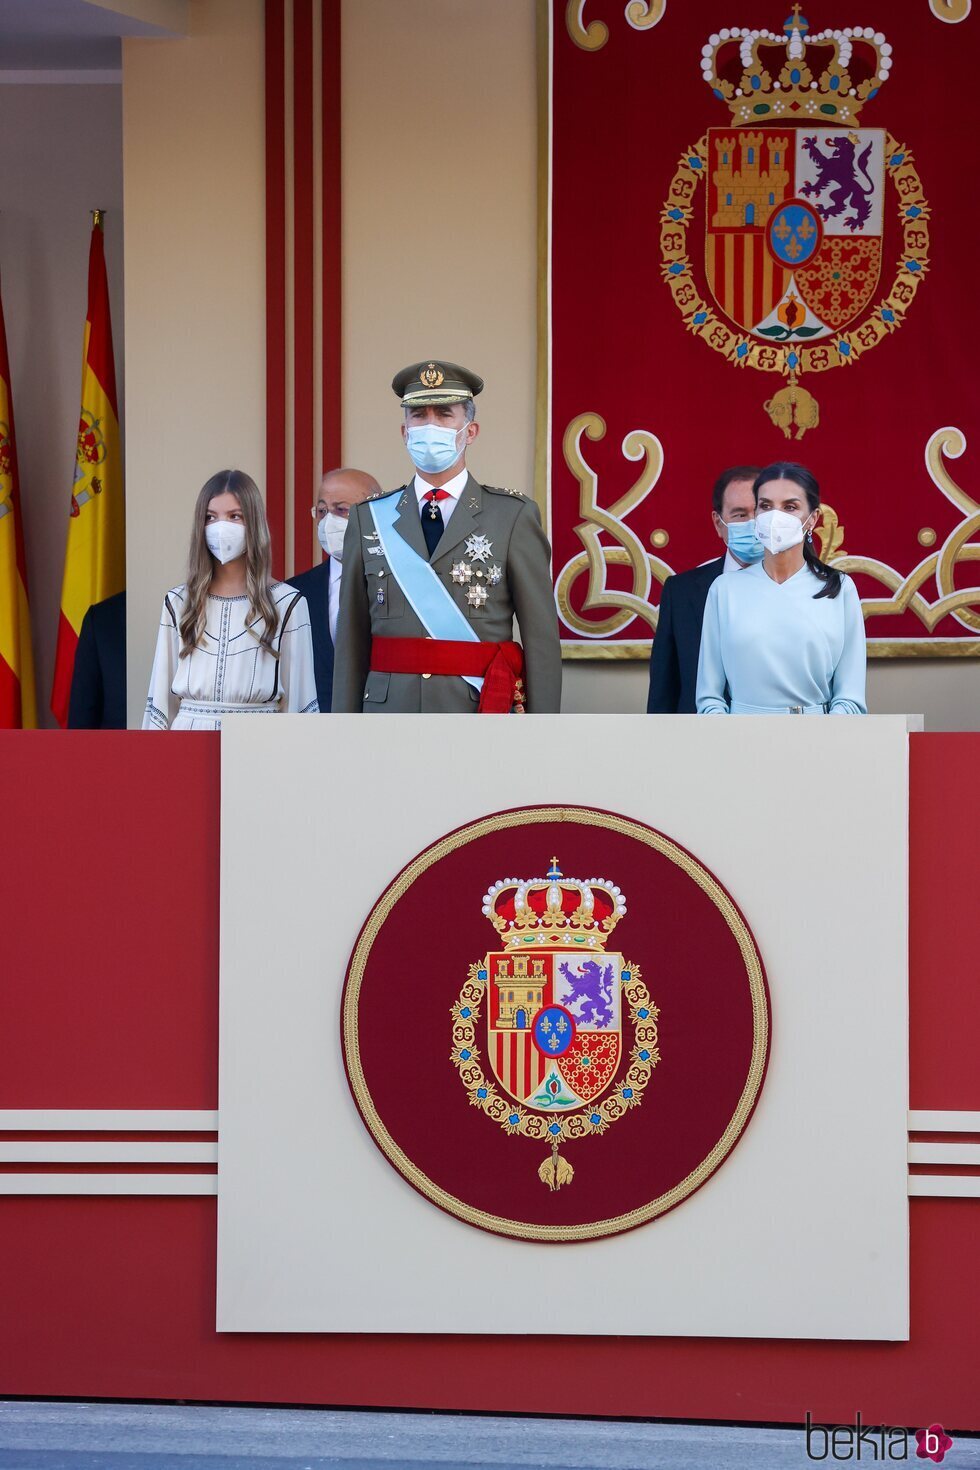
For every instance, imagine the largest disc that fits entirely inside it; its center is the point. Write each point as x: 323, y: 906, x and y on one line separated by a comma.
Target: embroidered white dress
x: 230, y: 673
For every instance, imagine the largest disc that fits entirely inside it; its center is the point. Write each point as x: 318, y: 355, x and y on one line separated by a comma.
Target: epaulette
x: 505, y: 490
x: 383, y: 494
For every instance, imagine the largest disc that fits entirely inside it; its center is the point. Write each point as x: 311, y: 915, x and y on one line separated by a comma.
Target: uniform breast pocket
x: 384, y: 594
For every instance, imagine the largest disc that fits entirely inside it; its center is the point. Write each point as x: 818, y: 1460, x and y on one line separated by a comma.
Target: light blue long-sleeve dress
x: 772, y: 648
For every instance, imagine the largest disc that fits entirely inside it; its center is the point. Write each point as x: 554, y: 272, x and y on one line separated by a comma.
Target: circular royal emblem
x: 548, y: 1087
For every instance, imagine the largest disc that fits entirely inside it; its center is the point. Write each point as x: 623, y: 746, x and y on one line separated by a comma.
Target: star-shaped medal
x: 494, y: 575
x: 462, y: 571
x: 478, y: 547
x: 476, y: 596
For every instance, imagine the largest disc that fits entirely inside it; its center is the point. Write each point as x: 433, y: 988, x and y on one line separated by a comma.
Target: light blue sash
x: 430, y: 600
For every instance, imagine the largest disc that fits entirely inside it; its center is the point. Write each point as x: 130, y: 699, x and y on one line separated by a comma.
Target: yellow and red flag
x: 18, y: 708
x: 95, y: 557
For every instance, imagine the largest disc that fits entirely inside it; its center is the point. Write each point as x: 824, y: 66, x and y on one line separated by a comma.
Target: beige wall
x: 439, y: 219
x: 439, y: 258
x: 463, y: 286
x: 193, y: 119
x: 60, y: 156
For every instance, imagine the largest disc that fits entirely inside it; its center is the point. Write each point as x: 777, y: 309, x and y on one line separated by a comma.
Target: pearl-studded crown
x: 554, y: 909
x: 797, y: 76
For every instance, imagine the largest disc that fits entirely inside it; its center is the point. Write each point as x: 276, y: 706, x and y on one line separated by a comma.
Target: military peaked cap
x: 435, y: 382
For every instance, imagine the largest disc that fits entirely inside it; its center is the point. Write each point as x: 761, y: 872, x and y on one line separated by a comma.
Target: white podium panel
x: 801, y: 1233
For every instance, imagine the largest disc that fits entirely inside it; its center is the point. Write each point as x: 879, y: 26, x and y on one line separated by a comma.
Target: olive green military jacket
x: 515, y: 573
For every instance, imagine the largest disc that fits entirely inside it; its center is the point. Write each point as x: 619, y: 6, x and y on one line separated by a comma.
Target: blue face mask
x: 743, y: 542
x: 431, y: 449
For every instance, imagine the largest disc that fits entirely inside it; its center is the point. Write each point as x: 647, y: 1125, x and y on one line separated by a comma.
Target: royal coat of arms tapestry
x: 757, y: 245
x: 530, y: 1057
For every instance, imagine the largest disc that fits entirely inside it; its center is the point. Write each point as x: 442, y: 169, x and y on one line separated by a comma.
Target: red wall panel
x: 944, y: 1001
x: 109, y: 979
x: 109, y: 954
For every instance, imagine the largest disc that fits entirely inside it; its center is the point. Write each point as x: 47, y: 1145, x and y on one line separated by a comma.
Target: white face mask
x: 778, y: 530
x: 225, y: 540
x: 330, y: 532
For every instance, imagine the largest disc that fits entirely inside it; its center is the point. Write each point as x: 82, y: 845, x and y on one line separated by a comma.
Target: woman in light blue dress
x: 786, y: 634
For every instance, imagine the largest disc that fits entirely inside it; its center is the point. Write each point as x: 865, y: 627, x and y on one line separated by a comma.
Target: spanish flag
x: 18, y: 708
x: 95, y: 557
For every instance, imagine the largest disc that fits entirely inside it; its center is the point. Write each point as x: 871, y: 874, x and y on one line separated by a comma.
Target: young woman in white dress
x: 785, y: 635
x: 232, y: 640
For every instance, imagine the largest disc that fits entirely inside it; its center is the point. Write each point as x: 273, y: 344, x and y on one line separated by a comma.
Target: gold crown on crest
x: 554, y: 909
x: 825, y: 78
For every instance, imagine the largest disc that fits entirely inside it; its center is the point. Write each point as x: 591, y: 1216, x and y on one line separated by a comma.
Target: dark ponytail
x: 783, y: 470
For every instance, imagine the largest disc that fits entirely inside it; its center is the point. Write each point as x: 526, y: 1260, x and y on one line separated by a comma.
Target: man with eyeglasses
x: 339, y: 490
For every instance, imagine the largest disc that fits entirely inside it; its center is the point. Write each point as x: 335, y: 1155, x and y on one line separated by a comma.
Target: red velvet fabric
x: 624, y: 114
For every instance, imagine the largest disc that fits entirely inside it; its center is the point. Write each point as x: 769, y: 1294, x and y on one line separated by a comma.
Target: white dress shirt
x: 333, y: 596
x: 453, y: 488
x: 731, y: 565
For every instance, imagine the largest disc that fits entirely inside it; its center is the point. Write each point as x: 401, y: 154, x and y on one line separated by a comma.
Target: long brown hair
x: 263, y: 619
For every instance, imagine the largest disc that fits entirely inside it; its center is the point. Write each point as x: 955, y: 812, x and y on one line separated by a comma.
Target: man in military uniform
x: 435, y: 572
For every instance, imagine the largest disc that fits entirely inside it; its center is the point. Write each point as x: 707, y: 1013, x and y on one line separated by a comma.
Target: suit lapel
x: 463, y: 521
x: 407, y: 522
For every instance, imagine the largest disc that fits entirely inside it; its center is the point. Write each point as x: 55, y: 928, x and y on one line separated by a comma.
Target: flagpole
x: 95, y: 551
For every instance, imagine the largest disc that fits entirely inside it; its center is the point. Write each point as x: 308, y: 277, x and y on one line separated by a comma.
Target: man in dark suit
x: 677, y: 643
x: 339, y: 490
x: 98, y: 681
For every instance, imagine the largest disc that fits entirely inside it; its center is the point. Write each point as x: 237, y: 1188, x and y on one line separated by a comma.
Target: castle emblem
x: 795, y: 196
x: 90, y: 452
x: 545, y: 1016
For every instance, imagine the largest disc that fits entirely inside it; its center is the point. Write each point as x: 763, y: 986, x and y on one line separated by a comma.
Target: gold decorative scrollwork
x: 629, y: 550
x: 591, y: 37
x: 644, y: 14
x: 951, y: 11
x: 829, y: 534
x: 963, y: 604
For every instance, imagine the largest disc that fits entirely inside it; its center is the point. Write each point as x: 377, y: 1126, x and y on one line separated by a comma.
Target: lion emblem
x: 839, y: 172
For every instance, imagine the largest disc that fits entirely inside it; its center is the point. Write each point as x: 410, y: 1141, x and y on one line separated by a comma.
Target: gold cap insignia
x: 432, y: 376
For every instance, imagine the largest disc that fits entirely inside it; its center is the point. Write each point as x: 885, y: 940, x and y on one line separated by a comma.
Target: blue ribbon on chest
x: 430, y: 600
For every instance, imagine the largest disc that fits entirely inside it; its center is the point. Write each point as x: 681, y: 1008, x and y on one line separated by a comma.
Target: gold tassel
x: 556, y: 1171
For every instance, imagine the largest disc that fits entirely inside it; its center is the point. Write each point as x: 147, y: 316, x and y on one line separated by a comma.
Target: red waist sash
x: 501, y: 666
